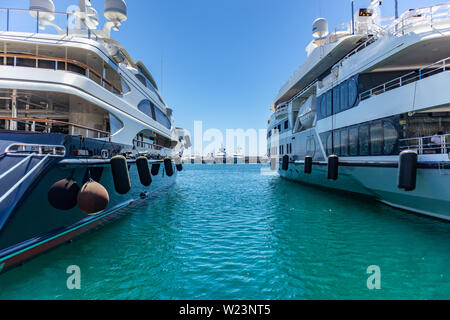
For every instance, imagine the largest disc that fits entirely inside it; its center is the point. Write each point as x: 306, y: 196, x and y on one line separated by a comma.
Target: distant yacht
x: 78, y: 117
x: 238, y: 157
x: 368, y: 111
x: 195, y: 159
x: 221, y: 156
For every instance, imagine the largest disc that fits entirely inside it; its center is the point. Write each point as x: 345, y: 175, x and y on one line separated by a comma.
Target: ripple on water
x: 228, y: 232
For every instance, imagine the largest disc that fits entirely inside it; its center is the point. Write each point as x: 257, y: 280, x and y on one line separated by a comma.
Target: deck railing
x: 35, y: 21
x: 32, y: 122
x: 432, y: 69
x: 424, y: 145
x: 58, y: 64
x: 147, y: 145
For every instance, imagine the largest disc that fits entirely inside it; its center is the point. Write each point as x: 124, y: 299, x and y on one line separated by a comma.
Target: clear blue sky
x: 224, y: 60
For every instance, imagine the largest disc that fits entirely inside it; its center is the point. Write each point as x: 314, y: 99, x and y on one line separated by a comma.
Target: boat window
x: 344, y: 142
x: 162, y: 119
x: 286, y: 124
x: 114, y: 124
x: 353, y: 141
x: 390, y: 137
x: 376, y: 138
x: 352, y: 92
x: 311, y: 146
x: 344, y: 96
x: 323, y: 106
x: 125, y: 86
x: 337, y: 143
x: 141, y: 78
x: 329, y: 103
x: 336, y: 100
x: 146, y: 107
x: 364, y: 136
x: 329, y: 144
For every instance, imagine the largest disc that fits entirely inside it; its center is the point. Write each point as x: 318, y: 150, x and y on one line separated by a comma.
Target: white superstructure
x: 59, y: 73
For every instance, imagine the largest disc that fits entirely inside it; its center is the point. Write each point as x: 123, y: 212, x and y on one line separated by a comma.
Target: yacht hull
x: 30, y: 226
x: 431, y: 197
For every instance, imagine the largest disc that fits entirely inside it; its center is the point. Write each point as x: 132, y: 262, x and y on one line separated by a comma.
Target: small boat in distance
x: 221, y: 156
x: 238, y: 157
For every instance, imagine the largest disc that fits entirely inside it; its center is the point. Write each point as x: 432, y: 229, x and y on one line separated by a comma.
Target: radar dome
x: 46, y: 9
x: 91, y: 18
x: 320, y: 28
x: 116, y: 10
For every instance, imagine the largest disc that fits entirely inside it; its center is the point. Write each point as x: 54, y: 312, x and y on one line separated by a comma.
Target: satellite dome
x: 91, y: 18
x: 46, y: 9
x: 320, y: 28
x: 116, y: 10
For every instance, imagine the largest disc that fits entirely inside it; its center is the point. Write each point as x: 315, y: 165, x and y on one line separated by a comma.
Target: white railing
x: 423, y: 17
x: 432, y: 69
x: 424, y: 145
x: 32, y: 21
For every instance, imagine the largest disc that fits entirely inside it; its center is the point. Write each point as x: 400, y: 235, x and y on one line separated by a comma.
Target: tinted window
x: 162, y: 119
x: 352, y: 92
x: 141, y: 79
x: 344, y: 142
x: 330, y: 144
x: 390, y: 137
x: 329, y: 103
x: 344, y: 96
x: 337, y: 143
x: 364, y: 140
x: 336, y: 100
x: 323, y: 106
x: 311, y: 146
x: 376, y: 138
x: 146, y: 107
x: 353, y: 141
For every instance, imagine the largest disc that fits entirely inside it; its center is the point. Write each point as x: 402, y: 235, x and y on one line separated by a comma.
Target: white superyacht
x: 84, y: 132
x: 368, y: 112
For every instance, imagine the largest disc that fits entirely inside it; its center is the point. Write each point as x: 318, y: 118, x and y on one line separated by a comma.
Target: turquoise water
x: 229, y: 232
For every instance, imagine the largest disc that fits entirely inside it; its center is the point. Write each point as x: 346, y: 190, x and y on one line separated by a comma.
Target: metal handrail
x: 421, y: 146
x: 107, y: 134
x: 152, y: 146
x: 24, y: 178
x: 406, y: 79
x: 87, y: 70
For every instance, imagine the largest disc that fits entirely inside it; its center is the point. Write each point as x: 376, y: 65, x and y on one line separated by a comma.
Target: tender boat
x: 78, y: 118
x: 369, y: 110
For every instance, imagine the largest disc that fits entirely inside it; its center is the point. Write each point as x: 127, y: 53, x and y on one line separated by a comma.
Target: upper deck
x: 391, y: 36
